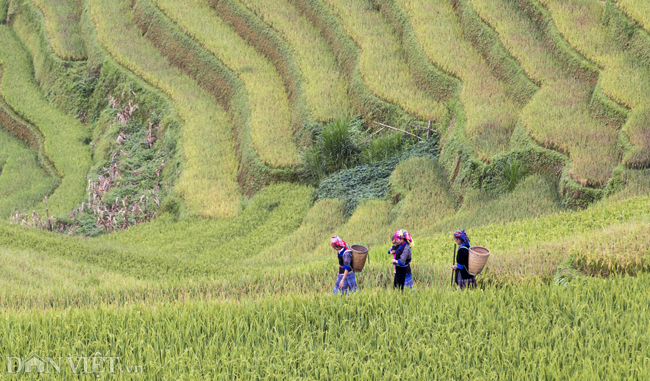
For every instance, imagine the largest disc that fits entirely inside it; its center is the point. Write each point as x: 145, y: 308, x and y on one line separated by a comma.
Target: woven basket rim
x: 365, y: 251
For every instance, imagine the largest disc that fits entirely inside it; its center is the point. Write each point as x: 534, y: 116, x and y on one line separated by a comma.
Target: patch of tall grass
x: 491, y: 114
x: 382, y: 64
x: 65, y: 137
x: 63, y: 27
x: 270, y: 120
x: 334, y: 146
x: 325, y: 87
x: 562, y: 104
x: 23, y: 183
x: 208, y: 180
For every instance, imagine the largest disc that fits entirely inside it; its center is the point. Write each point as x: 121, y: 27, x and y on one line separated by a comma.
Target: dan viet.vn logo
x: 95, y: 364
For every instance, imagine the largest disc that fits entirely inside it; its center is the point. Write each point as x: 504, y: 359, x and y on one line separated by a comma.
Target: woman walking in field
x: 401, y: 251
x: 345, y: 281
x: 463, y: 277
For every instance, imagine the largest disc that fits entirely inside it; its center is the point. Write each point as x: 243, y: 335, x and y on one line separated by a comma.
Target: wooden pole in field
x: 395, y: 128
x: 453, y: 262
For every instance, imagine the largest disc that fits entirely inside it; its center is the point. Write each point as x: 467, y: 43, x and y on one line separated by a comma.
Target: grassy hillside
x: 197, y: 156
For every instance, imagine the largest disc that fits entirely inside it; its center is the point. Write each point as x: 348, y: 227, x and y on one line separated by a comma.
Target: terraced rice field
x: 491, y: 115
x: 558, y: 115
x: 625, y: 77
x: 326, y: 88
x: 219, y: 265
x: 62, y: 21
x: 381, y: 63
x: 63, y: 135
x: 209, y: 183
x: 270, y: 123
x: 23, y: 183
x: 638, y: 10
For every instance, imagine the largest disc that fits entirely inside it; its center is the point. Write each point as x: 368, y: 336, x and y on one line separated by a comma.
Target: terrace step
x: 208, y: 183
x: 64, y: 137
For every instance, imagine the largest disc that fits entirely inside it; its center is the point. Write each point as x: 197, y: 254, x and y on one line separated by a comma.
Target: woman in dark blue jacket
x: 463, y: 277
x: 401, y: 251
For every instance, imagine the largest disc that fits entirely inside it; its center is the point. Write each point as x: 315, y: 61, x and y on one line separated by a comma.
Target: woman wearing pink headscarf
x: 345, y: 281
x: 401, y: 251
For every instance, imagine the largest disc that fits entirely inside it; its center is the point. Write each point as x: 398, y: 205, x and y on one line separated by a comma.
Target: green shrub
x: 513, y: 172
x: 382, y: 148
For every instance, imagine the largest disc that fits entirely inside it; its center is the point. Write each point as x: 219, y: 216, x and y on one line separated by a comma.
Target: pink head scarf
x: 403, y: 234
x: 337, y: 241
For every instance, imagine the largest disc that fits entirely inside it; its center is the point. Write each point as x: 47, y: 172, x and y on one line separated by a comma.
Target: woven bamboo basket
x: 478, y: 257
x: 359, y: 256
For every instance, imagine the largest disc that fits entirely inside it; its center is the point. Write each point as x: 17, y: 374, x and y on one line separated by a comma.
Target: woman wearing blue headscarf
x: 463, y: 277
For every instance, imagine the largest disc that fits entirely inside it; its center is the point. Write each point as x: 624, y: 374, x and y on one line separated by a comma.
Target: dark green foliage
x: 370, y: 180
x: 333, y: 147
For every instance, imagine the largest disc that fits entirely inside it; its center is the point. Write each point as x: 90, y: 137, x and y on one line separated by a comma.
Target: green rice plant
x: 382, y: 65
x: 28, y: 271
x: 624, y: 78
x: 63, y: 26
x: 562, y: 103
x: 637, y: 129
x: 168, y: 250
x: 637, y: 183
x: 325, y: 88
x: 270, y: 118
x: 491, y: 114
x: 208, y: 181
x: 64, y: 136
x: 620, y: 249
x: 516, y: 333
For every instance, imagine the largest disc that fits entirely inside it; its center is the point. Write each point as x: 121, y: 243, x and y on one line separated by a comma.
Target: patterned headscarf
x: 463, y: 237
x: 337, y: 241
x: 403, y: 234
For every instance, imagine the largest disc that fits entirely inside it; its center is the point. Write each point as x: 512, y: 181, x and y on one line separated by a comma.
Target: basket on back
x: 478, y: 257
x: 359, y: 256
